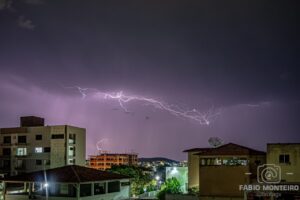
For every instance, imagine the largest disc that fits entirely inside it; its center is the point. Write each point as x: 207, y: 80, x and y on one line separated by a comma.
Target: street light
x: 157, y: 178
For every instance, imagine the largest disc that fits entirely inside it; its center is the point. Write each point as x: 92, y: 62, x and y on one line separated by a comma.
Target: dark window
x: 284, y: 158
x: 7, y: 140
x: 58, y: 136
x: 47, y: 149
x: 85, y: 190
x: 6, y: 151
x: 99, y: 188
x: 125, y: 183
x: 6, y: 164
x: 113, y: 186
x: 22, y: 139
x: 38, y: 162
x: 38, y: 137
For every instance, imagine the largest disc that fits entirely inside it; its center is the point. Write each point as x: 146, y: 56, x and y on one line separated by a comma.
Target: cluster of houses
x: 48, y: 162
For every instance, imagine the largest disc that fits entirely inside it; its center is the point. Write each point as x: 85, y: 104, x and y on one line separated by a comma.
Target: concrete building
x: 193, y: 167
x: 287, y: 157
x: 69, y: 182
x: 34, y: 146
x: 106, y: 160
x: 224, y: 168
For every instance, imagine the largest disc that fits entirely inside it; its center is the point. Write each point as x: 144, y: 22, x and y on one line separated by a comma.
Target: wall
x: 273, y: 152
x: 193, y: 170
x: 223, y: 180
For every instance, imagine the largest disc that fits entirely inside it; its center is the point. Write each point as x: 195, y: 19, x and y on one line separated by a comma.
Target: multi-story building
x: 287, y: 157
x: 34, y: 146
x: 193, y: 166
x: 222, y: 169
x: 106, y: 160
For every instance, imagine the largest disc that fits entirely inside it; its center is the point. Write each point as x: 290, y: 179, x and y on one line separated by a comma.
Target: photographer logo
x: 269, y: 173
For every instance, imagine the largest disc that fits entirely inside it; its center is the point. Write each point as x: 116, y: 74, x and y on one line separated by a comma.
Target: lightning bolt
x: 204, y: 118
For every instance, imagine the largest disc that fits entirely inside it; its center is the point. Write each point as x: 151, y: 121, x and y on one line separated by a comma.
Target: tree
x: 171, y: 186
x: 139, y: 180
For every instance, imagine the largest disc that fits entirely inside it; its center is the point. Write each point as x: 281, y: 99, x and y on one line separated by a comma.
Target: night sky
x: 239, y: 59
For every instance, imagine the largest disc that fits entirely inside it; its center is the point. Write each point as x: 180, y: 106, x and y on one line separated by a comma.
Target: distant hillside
x: 155, y: 159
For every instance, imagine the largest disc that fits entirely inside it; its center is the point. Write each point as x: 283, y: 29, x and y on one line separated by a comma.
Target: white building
x: 33, y: 146
x: 69, y: 182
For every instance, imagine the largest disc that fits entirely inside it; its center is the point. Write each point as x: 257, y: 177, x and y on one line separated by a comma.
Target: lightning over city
x: 203, y: 118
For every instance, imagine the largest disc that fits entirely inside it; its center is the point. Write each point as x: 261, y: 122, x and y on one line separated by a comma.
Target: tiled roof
x: 67, y: 174
x: 231, y: 149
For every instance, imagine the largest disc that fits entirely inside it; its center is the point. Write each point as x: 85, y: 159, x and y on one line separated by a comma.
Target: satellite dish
x: 215, y: 142
x: 100, y: 143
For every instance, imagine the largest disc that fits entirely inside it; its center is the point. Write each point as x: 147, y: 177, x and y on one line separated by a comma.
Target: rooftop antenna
x: 215, y: 142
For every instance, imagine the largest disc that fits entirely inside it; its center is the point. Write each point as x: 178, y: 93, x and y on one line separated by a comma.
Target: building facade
x: 105, y: 161
x: 193, y: 167
x: 223, y: 169
x: 34, y: 146
x: 287, y: 157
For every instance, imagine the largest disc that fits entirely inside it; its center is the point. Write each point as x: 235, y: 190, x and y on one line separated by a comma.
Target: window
x: 6, y: 151
x: 38, y: 150
x: 38, y: 162
x: 7, y: 140
x: 20, y: 164
x: 22, y: 139
x: 284, y: 158
x: 58, y: 136
x: 22, y: 151
x: 72, y: 138
x: 85, y: 190
x: 113, y: 186
x: 99, y: 188
x: 6, y: 164
x: 64, y: 189
x: 71, y: 151
x: 38, y: 137
x: 47, y: 149
x: 72, y: 161
x: 125, y: 184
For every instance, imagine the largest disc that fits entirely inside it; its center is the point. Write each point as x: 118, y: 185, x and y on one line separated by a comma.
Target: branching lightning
x: 123, y: 99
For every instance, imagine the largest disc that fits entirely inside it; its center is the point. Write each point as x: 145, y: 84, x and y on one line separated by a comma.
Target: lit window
x: 22, y: 151
x: 38, y: 150
x: 71, y: 151
x: 72, y: 138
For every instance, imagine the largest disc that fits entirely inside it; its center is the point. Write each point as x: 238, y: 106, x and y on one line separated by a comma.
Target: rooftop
x: 231, y: 149
x: 66, y: 174
x: 196, y: 150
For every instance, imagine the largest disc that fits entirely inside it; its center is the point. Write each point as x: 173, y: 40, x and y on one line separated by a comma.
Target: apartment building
x: 106, y: 160
x: 224, y: 168
x: 34, y: 146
